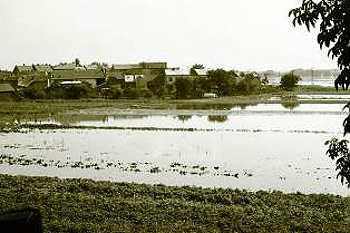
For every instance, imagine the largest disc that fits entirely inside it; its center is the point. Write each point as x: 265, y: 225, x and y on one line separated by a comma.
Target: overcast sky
x: 231, y: 34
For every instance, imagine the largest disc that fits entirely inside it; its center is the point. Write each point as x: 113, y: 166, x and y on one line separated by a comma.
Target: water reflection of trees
x: 218, y: 118
x: 184, y: 118
x: 290, y: 102
x: 123, y: 117
x: 75, y: 119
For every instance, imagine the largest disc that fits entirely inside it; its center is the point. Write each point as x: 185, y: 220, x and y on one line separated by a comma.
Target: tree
x: 264, y: 80
x: 157, y: 85
x: 334, y: 34
x: 334, y: 26
x: 222, y: 81
x: 16, y: 71
x: 289, y: 81
x: 196, y: 66
x: 184, y: 88
x: 77, y: 62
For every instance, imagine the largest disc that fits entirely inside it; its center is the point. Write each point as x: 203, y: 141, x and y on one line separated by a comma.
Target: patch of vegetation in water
x: 102, y: 164
x: 80, y: 205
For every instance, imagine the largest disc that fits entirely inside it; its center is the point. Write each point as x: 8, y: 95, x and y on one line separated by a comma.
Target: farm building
x: 175, y: 73
x: 203, y: 73
x: 43, y: 69
x: 7, y: 91
x: 66, y: 66
x: 136, y: 75
x: 93, y: 77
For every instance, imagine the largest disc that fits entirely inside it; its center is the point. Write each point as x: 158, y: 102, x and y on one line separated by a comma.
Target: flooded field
x: 266, y: 146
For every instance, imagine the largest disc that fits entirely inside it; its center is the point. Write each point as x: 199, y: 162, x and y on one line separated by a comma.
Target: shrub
x: 157, y: 85
x: 111, y: 93
x: 145, y: 93
x: 83, y: 90
x: 289, y: 81
x: 33, y: 93
x: 131, y: 93
x: 184, y: 88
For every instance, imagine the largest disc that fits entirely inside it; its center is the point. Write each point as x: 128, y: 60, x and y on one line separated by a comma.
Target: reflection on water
x: 230, y: 118
x: 253, y: 160
x: 184, y: 118
x: 218, y: 118
x: 78, y: 119
x: 259, y: 147
x: 290, y: 102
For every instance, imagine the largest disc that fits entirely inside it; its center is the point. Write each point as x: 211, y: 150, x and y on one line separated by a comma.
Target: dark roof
x: 24, y: 68
x: 69, y: 66
x: 154, y: 65
x: 43, y: 68
x: 72, y: 74
x: 6, y: 75
x: 177, y: 72
x: 141, y: 65
x: 6, y: 87
x: 26, y: 81
x: 126, y: 66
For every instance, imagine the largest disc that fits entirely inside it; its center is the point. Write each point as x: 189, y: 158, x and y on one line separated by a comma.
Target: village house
x: 73, y: 77
x: 135, y: 75
x: 35, y: 82
x: 7, y: 89
x: 34, y: 76
x: 201, y: 73
x: 176, y: 73
x: 67, y: 66
x: 23, y: 70
x: 43, y: 69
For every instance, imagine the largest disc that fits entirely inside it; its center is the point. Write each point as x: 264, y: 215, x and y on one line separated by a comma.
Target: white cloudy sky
x: 230, y: 34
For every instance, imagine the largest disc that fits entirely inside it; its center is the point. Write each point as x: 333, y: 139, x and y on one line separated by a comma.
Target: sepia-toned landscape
x: 186, y: 116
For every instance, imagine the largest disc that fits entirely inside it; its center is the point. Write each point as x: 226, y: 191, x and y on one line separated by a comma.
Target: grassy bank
x: 78, y: 205
x: 26, y: 107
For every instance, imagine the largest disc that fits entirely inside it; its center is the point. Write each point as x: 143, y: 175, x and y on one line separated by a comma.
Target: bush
x: 83, y: 90
x: 111, y: 93
x: 289, y: 81
x: 33, y: 93
x: 131, y: 93
x: 184, y: 88
x: 157, y: 85
x: 145, y: 93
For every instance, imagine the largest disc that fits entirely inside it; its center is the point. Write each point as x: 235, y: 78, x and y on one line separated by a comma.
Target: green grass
x: 80, y: 205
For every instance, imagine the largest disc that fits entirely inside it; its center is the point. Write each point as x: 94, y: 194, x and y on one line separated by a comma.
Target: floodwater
x: 266, y: 147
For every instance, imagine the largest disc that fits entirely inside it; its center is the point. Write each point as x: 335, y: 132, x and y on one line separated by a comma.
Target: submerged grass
x: 81, y: 205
